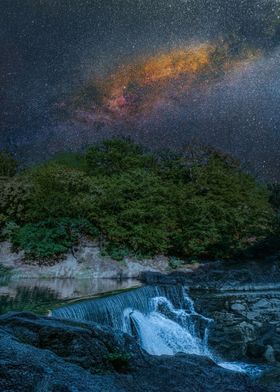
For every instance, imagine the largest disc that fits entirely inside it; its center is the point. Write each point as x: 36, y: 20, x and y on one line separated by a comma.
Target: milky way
x: 164, y: 72
x: 135, y: 91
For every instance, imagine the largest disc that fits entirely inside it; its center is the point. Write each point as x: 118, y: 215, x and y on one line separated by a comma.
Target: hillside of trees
x: 198, y: 204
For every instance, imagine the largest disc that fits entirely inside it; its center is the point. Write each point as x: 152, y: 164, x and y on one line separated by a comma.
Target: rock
x: 269, y: 354
x: 255, y: 352
x: 247, y: 331
x: 238, y: 307
x: 262, y: 304
x: 243, y: 299
x: 270, y: 377
x: 50, y: 355
x: 80, y: 343
x: 266, y: 346
x: 225, y: 276
x: 85, y: 261
x: 7, y: 256
x: 246, y: 312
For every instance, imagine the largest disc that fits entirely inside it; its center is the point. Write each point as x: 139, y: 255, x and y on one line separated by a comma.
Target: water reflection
x: 43, y: 294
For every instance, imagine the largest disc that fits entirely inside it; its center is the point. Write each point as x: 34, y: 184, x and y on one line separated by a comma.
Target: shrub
x: 8, y: 165
x: 119, y: 360
x: 116, y: 156
x: 51, y: 238
x: 15, y: 197
x: 175, y: 263
x: 133, y: 212
x: 58, y: 191
x: 195, y: 205
x: 117, y: 253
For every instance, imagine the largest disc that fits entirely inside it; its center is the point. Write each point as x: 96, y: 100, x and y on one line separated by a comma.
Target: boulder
x: 50, y: 355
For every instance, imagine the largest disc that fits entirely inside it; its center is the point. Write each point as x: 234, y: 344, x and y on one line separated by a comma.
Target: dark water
x: 43, y: 295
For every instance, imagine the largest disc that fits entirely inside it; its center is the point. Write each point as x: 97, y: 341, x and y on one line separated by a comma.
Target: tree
x: 116, y: 156
x: 133, y: 211
x: 221, y: 211
x: 8, y: 165
x: 15, y: 197
x: 274, y: 195
x: 58, y: 191
x: 197, y: 204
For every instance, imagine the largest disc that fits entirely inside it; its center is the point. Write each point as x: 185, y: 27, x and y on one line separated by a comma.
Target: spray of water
x: 163, y: 320
x: 166, y: 330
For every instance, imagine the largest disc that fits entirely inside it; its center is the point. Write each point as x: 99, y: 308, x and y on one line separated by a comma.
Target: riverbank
x: 43, y: 295
x: 233, y: 309
x: 83, y: 262
x: 243, y: 298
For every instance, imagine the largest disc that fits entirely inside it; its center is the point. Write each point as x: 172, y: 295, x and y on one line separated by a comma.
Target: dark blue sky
x: 50, y: 48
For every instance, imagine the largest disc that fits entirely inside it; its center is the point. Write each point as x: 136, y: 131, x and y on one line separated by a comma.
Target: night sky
x: 164, y: 72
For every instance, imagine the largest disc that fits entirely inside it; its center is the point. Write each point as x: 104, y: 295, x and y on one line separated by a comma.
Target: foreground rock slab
x: 46, y: 354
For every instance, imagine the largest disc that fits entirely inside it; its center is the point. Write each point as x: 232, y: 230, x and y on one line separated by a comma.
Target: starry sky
x: 166, y: 73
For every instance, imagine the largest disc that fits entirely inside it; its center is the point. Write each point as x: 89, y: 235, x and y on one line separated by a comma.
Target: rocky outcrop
x: 243, y: 299
x: 246, y: 324
x: 85, y: 261
x: 224, y: 276
x: 45, y: 354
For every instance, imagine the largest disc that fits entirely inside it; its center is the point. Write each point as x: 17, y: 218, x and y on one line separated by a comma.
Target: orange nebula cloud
x: 135, y: 86
x: 136, y: 89
x: 163, y: 66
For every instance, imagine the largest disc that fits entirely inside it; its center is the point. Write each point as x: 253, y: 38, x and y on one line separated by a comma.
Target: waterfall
x: 167, y: 330
x: 110, y: 310
x: 163, y: 319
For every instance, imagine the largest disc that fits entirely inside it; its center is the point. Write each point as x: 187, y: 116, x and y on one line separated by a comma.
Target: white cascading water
x: 166, y: 330
x: 163, y: 320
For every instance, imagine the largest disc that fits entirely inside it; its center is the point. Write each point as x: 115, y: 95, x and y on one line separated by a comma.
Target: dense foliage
x: 51, y: 237
x: 196, y: 204
x: 8, y: 165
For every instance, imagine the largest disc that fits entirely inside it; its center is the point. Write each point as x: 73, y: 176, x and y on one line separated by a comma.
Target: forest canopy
x: 197, y: 204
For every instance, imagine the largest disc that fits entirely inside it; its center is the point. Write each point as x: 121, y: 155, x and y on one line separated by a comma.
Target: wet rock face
x: 83, y: 344
x: 243, y: 299
x: 224, y: 276
x: 247, y: 324
x: 49, y: 355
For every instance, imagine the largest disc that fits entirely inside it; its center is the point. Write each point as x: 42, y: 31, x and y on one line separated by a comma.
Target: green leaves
x: 8, y: 165
x: 116, y: 156
x: 133, y: 211
x: 222, y: 211
x: 15, y: 197
x: 58, y: 192
x: 198, y: 204
x: 50, y: 238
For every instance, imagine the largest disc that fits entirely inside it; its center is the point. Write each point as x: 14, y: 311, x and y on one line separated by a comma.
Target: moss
x: 119, y: 360
x: 175, y: 263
